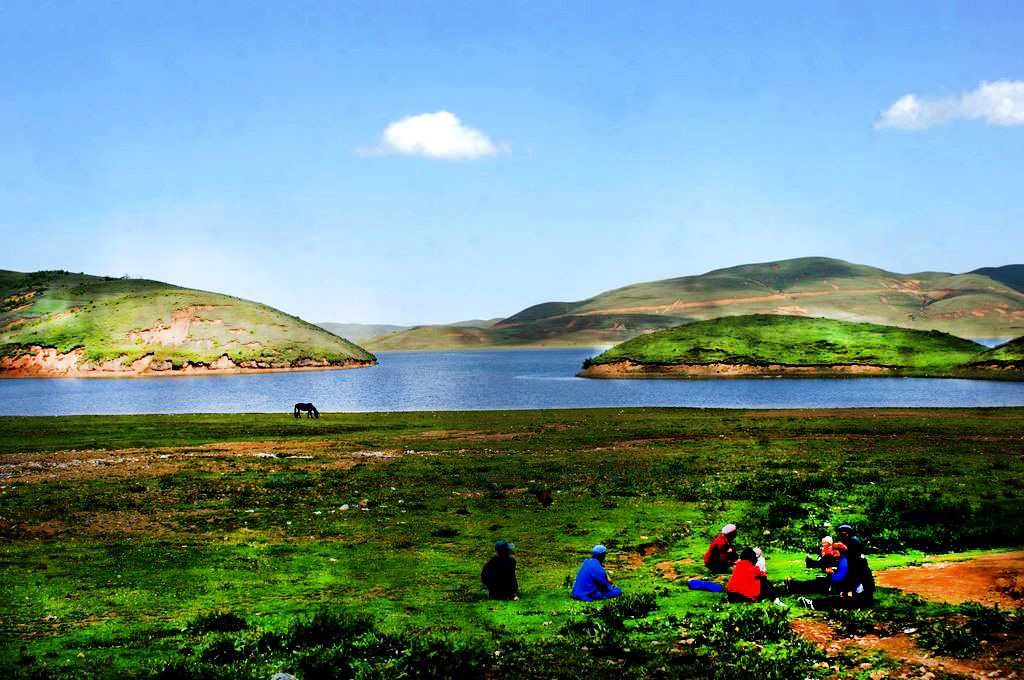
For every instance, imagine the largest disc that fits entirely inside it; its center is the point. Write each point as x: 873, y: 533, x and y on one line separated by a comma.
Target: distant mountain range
x: 984, y: 303
x: 358, y: 332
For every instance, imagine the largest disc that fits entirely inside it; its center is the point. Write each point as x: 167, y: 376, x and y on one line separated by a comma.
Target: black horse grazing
x: 310, y: 410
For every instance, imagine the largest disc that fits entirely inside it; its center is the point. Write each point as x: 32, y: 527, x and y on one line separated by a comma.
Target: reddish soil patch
x: 670, y: 570
x: 989, y: 580
x: 630, y: 369
x: 918, y: 663
x: 666, y: 570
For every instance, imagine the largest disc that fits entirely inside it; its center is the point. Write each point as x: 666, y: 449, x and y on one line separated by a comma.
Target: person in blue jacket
x: 852, y: 584
x: 591, y: 580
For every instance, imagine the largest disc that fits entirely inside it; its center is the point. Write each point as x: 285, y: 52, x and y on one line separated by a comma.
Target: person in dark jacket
x: 858, y: 564
x: 499, y: 574
x: 854, y: 546
x: 720, y: 557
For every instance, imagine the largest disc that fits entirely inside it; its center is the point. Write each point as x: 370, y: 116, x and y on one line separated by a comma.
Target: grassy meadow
x: 237, y: 546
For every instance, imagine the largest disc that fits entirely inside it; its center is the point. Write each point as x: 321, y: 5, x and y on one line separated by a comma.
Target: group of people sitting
x: 845, y: 575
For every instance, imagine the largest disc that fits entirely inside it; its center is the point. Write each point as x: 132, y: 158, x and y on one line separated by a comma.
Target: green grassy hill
x: 761, y: 340
x: 970, y: 305
x: 1009, y: 355
x: 100, y: 324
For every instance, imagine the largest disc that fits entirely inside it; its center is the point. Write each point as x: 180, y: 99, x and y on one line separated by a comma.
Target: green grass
x: 104, y: 317
x: 762, y: 339
x: 149, y: 569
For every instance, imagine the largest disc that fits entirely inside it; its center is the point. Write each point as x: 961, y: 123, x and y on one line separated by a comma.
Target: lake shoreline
x: 509, y: 380
x: 632, y: 370
x: 188, y: 370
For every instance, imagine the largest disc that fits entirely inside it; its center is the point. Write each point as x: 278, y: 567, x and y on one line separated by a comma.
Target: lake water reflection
x: 492, y: 379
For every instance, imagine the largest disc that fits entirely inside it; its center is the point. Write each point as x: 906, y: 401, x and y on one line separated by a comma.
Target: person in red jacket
x: 748, y: 583
x: 745, y: 583
x: 721, y: 554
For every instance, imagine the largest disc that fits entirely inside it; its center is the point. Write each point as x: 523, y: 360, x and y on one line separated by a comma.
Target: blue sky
x: 424, y: 162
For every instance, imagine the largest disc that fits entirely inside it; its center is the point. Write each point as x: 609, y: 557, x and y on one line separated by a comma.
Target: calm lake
x: 467, y: 380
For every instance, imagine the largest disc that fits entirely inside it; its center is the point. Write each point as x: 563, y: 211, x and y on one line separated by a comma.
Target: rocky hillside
x: 55, y: 323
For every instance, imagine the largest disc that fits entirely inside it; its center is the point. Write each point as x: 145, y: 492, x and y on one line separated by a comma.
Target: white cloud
x: 435, y: 135
x: 998, y: 103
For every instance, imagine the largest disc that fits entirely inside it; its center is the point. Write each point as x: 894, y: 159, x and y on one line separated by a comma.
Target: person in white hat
x: 592, y: 582
x: 721, y: 556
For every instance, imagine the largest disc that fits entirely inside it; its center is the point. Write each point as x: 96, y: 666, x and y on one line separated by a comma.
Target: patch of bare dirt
x: 28, y: 468
x: 792, y: 309
x: 918, y: 663
x: 470, y: 435
x: 989, y: 580
x: 666, y: 570
x: 634, y: 443
x: 175, y: 334
x: 47, y: 362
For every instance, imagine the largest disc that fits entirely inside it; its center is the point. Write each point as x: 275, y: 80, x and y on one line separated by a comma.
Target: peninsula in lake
x: 58, y: 324
x: 792, y: 346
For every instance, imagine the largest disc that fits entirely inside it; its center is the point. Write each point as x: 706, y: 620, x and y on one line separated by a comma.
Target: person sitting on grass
x: 826, y: 559
x: 762, y: 561
x: 721, y: 554
x: 592, y: 582
x: 852, y: 585
x: 499, y: 574
x: 748, y: 583
x: 859, y: 571
x: 855, y: 549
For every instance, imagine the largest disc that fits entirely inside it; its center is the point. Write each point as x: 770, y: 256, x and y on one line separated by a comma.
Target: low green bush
x: 221, y: 622
x: 963, y: 631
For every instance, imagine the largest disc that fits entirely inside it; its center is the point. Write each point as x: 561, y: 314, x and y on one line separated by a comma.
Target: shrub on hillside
x: 216, y: 622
